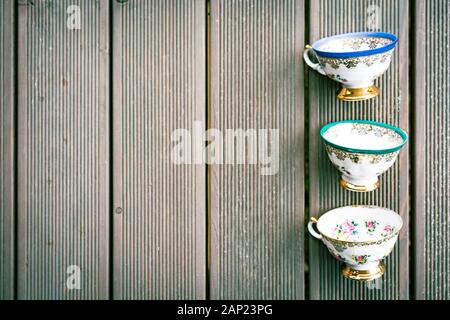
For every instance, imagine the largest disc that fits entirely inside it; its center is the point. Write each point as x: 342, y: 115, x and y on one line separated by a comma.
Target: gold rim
x: 364, y: 275
x: 358, y: 188
x: 358, y: 94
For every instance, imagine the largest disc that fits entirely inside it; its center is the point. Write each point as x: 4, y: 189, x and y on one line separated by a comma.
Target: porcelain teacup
x: 359, y: 236
x: 362, y: 150
x: 355, y: 60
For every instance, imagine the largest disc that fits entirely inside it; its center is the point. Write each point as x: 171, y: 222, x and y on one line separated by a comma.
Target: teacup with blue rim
x: 355, y: 60
x: 362, y: 150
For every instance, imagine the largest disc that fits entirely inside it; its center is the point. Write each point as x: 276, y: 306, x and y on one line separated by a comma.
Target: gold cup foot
x: 358, y: 94
x: 364, y: 275
x: 357, y: 188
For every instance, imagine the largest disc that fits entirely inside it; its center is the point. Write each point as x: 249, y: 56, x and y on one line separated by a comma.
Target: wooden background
x: 85, y: 123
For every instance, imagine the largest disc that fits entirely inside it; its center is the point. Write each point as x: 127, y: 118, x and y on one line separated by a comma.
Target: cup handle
x: 311, y: 228
x: 314, y: 66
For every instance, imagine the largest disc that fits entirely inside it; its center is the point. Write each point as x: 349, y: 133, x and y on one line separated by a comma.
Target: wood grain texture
x: 159, y: 70
x: 7, y: 149
x: 432, y: 150
x: 329, y: 17
x: 257, y: 83
x: 63, y: 156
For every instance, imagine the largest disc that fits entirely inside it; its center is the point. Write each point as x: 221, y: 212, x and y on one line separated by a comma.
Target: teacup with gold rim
x: 353, y: 59
x: 362, y: 150
x: 359, y: 236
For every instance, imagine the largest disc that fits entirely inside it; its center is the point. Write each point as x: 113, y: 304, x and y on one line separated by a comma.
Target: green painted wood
x: 63, y: 150
x: 257, y: 83
x: 6, y: 149
x: 432, y: 150
x: 159, y: 85
x: 329, y: 17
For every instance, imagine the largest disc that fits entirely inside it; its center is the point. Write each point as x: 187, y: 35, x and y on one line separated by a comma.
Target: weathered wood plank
x: 257, y: 83
x: 7, y: 149
x: 432, y: 150
x: 160, y: 207
x: 329, y: 17
x: 63, y: 156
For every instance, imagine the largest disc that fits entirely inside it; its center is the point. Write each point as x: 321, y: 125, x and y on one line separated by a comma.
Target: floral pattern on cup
x: 365, y: 129
x: 387, y: 231
x: 365, y: 250
x: 351, y: 63
x: 359, y: 158
x: 360, y: 259
x: 346, y: 229
x: 337, y: 77
x: 371, y: 225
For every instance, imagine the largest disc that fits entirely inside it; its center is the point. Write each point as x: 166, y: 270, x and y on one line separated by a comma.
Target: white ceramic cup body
x: 362, y: 150
x: 354, y: 59
x: 359, y: 236
x: 359, y: 72
x: 372, y: 254
x: 361, y: 169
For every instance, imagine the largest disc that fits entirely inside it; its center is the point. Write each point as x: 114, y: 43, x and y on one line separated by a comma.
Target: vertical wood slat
x: 334, y: 17
x: 432, y: 150
x: 159, y: 79
x: 63, y: 187
x: 257, y: 83
x: 6, y: 149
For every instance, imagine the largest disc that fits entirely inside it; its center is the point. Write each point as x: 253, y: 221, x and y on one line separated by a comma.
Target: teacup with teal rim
x: 359, y: 236
x: 362, y: 150
x: 353, y: 59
